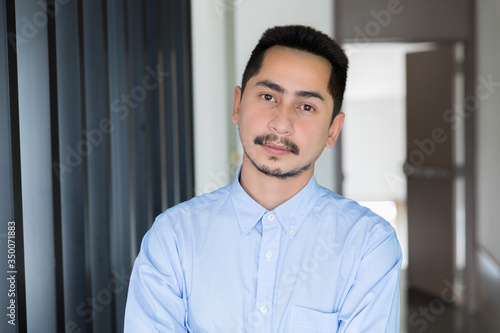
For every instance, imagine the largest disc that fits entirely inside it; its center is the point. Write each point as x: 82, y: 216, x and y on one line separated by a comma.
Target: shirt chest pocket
x: 304, y: 320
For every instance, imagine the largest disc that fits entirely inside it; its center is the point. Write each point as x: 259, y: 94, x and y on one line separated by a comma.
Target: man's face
x: 285, y: 112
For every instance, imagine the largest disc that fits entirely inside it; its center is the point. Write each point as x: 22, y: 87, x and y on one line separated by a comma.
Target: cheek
x: 315, y: 137
x: 246, y: 129
x: 250, y: 124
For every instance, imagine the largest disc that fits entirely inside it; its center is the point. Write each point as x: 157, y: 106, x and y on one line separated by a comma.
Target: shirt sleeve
x: 373, y: 302
x: 156, y: 295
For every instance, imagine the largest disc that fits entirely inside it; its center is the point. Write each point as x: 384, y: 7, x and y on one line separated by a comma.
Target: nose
x: 281, y: 121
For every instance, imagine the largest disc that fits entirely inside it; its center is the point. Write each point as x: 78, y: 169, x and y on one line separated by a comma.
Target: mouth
x: 276, y: 146
x: 274, y: 149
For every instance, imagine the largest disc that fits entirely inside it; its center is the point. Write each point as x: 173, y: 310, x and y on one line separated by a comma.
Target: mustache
x: 266, y: 138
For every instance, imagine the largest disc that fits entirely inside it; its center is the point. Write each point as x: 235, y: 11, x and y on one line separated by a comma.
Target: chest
x: 256, y: 282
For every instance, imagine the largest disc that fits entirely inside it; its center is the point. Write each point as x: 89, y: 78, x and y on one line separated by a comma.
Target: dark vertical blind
x: 11, y: 232
x: 95, y: 102
x: 39, y: 190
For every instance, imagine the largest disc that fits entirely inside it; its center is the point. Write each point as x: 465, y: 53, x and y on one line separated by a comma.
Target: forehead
x: 283, y: 51
x: 295, y: 67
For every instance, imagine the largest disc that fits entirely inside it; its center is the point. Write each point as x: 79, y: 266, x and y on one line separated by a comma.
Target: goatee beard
x: 278, y: 173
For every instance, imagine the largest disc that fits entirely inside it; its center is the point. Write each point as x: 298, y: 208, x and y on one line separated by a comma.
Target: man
x: 273, y: 251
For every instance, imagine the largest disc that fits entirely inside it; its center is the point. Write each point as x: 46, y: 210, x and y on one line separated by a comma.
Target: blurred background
x: 111, y: 111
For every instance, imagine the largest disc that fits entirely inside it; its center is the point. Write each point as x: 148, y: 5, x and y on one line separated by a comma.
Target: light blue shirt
x: 223, y: 263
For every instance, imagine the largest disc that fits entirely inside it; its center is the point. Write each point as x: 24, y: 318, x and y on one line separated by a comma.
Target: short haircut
x: 305, y: 39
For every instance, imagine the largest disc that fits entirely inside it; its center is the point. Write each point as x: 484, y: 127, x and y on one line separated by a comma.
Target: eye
x: 268, y: 97
x: 307, y: 107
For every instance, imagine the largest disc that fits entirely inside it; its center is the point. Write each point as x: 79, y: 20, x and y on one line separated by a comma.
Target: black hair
x: 305, y: 39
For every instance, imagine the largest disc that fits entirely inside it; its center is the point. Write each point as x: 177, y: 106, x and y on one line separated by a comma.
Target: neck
x: 269, y: 191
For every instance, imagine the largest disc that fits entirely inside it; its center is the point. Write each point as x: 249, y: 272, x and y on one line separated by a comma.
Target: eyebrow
x: 314, y: 94
x: 272, y: 86
x: 301, y: 93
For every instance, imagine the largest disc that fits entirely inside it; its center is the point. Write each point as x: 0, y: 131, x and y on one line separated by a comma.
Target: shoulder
x: 191, y: 209
x: 353, y: 219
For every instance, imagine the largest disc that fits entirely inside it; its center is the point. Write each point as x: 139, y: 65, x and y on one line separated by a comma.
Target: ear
x: 236, y: 104
x: 335, y: 128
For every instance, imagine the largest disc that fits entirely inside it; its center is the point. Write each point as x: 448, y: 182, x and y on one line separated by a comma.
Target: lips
x: 275, y: 145
x: 275, y: 149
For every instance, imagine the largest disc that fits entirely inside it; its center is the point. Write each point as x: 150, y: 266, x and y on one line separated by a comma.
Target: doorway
x: 375, y: 151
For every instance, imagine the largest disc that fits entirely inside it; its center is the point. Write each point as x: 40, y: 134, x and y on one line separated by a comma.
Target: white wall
x: 374, y: 142
x: 488, y: 165
x: 374, y: 139
x: 210, y: 95
x: 374, y: 149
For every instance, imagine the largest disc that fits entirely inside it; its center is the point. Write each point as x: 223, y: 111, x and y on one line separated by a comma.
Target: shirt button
x: 263, y: 309
x: 270, y: 217
x: 291, y: 231
x: 269, y: 254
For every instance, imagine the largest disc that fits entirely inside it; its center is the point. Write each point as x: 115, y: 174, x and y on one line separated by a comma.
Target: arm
x: 372, y: 304
x: 156, y: 297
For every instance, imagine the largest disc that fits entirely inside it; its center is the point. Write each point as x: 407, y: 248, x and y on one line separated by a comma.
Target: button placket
x: 274, y: 223
x: 268, y: 260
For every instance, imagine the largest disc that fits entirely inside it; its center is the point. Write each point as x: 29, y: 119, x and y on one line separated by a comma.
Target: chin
x: 280, y: 173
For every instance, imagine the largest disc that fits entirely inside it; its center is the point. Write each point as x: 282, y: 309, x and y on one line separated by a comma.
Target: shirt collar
x: 291, y: 214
